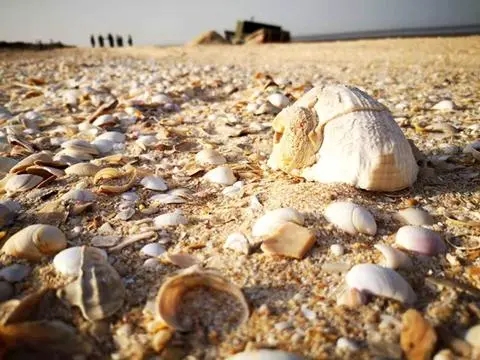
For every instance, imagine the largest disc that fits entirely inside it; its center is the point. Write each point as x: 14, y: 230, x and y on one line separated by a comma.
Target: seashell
x: 98, y: 290
x: 394, y: 259
x: 171, y: 296
x: 170, y: 219
x: 79, y: 195
x: 130, y: 196
x: 290, y: 240
x: 351, y: 218
x: 67, y: 262
x: 380, y: 281
x: 180, y: 259
x: 103, y: 146
x: 82, y: 169
x: 113, y: 136
x: 168, y: 198
x: 78, y: 155
x: 107, y: 173
x: 414, y: 216
x: 474, y: 149
x: 221, y: 175
x: 147, y: 140
x: 153, y: 249
x: 15, y: 272
x: 105, y: 120
x: 209, y: 157
x: 44, y: 171
x: 337, y: 250
x: 420, y: 240
x: 160, y: 99
x: 278, y: 100
x: 104, y: 240
x: 265, y: 354
x: 472, y: 336
x: 30, y: 160
x: 23, y: 182
x: 444, y: 105
x: 237, y: 242
x: 6, y: 164
x: 273, y: 219
x: 125, y: 214
x: 351, y: 298
x: 339, y: 134
x: 35, y: 241
x: 81, y: 146
x: 154, y: 183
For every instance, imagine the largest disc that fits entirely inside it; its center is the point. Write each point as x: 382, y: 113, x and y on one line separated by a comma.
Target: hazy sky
x: 177, y: 21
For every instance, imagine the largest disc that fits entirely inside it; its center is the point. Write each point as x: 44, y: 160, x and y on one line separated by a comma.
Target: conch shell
x: 339, y: 134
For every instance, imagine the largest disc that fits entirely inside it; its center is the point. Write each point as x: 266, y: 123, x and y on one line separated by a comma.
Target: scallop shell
x: 351, y: 218
x: 23, y: 182
x: 171, y: 292
x: 339, y: 134
x: 221, y: 175
x: 82, y: 169
x: 380, y: 281
x: 35, y: 241
x: 420, y: 240
x: 98, y: 290
x: 265, y: 354
x: 394, y: 258
x: 154, y: 183
x: 414, y: 216
x: 273, y: 219
x: 67, y: 262
x: 209, y: 157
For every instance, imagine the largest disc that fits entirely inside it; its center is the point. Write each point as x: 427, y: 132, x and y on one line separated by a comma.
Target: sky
x: 163, y: 22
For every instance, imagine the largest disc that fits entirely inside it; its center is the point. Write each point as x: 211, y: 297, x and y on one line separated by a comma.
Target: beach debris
x: 152, y: 249
x: 273, y: 219
x: 380, y: 281
x: 414, y: 216
x: 221, y: 175
x: 394, y: 258
x: 172, y: 303
x: 418, y: 337
x: 351, y: 218
x: 328, y: 133
x: 420, y: 240
x: 290, y: 240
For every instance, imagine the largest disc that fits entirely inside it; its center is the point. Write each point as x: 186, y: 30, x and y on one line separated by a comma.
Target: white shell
x: 444, y: 105
x: 414, y: 216
x: 420, y: 240
x: 153, y: 249
x: 67, y: 262
x: 380, y: 281
x: 351, y: 218
x: 279, y: 100
x: 104, y: 119
x: 147, y: 140
x: 160, y: 99
x: 154, y: 183
x: 271, y: 220
x: 23, y: 182
x: 337, y: 250
x: 168, y: 198
x: 473, y: 336
x: 394, y: 258
x: 265, y: 354
x: 339, y: 134
x: 209, y: 157
x: 113, y: 136
x: 221, y: 175
x: 103, y: 146
x: 170, y: 219
x: 237, y: 242
x: 79, y: 195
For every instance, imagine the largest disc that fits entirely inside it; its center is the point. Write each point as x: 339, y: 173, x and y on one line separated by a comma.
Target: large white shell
x: 351, y: 218
x: 419, y: 239
x: 339, y: 134
x: 269, y: 222
x: 67, y: 262
x: 221, y: 175
x: 380, y: 281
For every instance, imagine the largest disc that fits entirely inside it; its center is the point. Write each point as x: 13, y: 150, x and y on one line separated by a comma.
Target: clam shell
x: 154, y: 183
x: 106, y: 119
x: 23, y: 182
x: 168, y: 198
x: 221, y: 175
x: 67, y: 262
x: 35, y: 241
x: 273, y: 219
x: 78, y: 145
x: 420, y: 240
x: 30, y: 160
x: 380, y: 281
x: 170, y: 219
x: 113, y: 136
x: 339, y: 134
x: 98, y: 290
x: 153, y: 249
x: 82, y: 169
x: 170, y: 295
x: 237, y: 242
x: 414, y: 216
x: 394, y: 258
x: 278, y: 100
x: 351, y: 218
x: 265, y: 354
x: 209, y: 157
x: 103, y: 146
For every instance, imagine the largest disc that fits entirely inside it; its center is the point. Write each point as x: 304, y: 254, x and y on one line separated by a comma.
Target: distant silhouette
x: 130, y: 41
x: 100, y: 41
x: 119, y: 41
x: 110, y: 40
x: 92, y: 40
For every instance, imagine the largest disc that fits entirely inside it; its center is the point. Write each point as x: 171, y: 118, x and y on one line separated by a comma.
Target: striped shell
x: 339, y: 134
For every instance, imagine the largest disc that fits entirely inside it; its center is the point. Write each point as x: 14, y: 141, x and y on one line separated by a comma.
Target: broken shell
x: 79, y: 195
x: 351, y: 298
x: 394, y: 258
x: 23, y: 182
x: 98, y: 291
x: 154, y: 183
x: 351, y: 218
x: 444, y: 105
x: 170, y: 219
x: 420, y: 240
x: 265, y: 354
x: 278, y: 100
x: 221, y: 175
x: 414, y: 216
x: 35, y: 241
x: 271, y: 220
x: 168, y: 198
x: 237, y: 242
x: 169, y: 298
x: 105, y: 120
x: 67, y: 262
x: 380, y: 281
x: 107, y: 173
x: 290, y: 240
x: 82, y: 169
x: 209, y: 157
x: 339, y: 134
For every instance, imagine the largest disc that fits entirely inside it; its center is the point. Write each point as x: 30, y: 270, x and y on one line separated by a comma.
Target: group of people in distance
x: 111, y: 40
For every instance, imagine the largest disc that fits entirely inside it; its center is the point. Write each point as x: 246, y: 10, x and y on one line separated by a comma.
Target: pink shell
x: 420, y: 240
